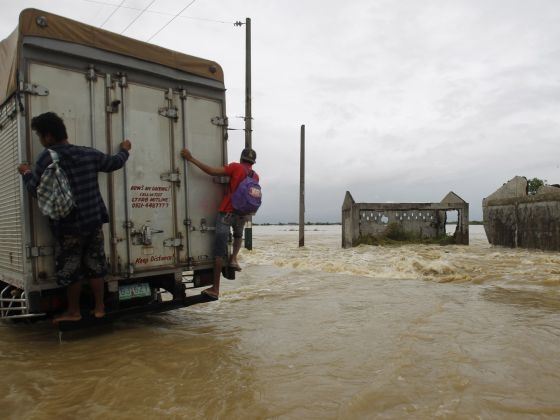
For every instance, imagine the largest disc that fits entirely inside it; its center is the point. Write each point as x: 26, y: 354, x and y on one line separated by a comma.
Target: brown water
x: 318, y: 332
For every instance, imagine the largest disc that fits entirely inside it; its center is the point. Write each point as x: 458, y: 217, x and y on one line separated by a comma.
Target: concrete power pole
x: 248, y: 118
x: 302, y: 189
x: 248, y: 115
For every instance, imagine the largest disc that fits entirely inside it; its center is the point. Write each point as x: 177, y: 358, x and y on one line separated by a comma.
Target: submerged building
x: 514, y: 218
x: 363, y: 221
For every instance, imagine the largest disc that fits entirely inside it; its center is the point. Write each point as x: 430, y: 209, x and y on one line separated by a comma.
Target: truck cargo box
x: 108, y: 87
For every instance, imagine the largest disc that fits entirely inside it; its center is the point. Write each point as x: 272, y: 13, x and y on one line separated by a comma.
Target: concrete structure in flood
x: 514, y: 218
x: 361, y: 221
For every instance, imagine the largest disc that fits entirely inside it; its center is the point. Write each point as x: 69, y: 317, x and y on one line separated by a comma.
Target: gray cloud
x: 403, y: 101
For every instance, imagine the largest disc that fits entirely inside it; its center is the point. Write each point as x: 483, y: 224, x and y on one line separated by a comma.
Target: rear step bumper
x: 91, y: 321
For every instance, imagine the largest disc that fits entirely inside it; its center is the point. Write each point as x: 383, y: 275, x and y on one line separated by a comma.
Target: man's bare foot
x: 234, y: 264
x: 98, y: 312
x: 211, y: 293
x: 67, y: 316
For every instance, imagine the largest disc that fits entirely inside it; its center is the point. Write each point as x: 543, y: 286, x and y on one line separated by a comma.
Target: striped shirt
x: 81, y: 165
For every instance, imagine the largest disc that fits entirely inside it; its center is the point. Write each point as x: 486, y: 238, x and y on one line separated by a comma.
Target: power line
x: 157, y: 12
x: 138, y: 16
x: 111, y: 15
x: 206, y: 19
x: 172, y: 19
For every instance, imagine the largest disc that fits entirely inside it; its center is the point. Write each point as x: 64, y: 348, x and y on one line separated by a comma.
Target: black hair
x: 248, y: 155
x: 49, y: 123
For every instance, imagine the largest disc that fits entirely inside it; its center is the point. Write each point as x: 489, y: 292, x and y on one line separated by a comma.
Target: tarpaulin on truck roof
x: 8, y: 53
x: 37, y: 23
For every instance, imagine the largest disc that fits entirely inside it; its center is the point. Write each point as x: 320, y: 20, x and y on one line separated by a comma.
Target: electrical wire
x: 138, y: 16
x: 104, y: 3
x: 112, y: 13
x: 171, y: 20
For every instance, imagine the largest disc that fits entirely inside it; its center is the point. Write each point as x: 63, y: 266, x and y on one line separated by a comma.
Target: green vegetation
x: 534, y: 184
x: 396, y: 235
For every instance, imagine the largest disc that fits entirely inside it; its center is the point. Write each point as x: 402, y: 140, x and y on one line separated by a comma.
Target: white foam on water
x: 478, y: 263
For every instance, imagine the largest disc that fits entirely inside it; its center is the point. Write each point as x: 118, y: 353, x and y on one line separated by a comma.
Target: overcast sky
x: 403, y: 100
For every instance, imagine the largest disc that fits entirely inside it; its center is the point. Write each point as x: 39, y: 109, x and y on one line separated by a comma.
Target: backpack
x: 247, y: 198
x: 54, y: 194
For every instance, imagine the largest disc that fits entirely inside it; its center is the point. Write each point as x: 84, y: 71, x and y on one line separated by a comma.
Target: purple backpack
x: 247, y: 198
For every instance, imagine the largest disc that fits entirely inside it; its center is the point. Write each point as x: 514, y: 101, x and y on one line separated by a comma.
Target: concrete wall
x: 425, y: 220
x: 521, y: 220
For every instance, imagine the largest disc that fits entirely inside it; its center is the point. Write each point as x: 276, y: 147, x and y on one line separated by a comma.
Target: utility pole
x: 302, y: 188
x: 248, y: 116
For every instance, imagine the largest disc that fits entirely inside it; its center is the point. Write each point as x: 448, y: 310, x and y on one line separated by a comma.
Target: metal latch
x: 189, y: 225
x: 170, y: 177
x: 39, y: 251
x: 169, y: 112
x: 221, y: 179
x: 204, y: 227
x: 220, y: 121
x: 113, y: 107
x: 144, y: 235
x: 34, y: 89
x: 172, y: 242
x: 123, y: 80
x: 91, y: 75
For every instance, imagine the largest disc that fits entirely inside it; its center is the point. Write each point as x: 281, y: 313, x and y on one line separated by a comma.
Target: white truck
x: 108, y: 87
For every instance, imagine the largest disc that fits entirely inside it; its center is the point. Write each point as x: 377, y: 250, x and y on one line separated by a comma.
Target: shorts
x: 223, y: 223
x: 80, y: 256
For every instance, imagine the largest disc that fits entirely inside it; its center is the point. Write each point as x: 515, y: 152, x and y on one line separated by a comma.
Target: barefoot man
x: 227, y: 218
x: 79, y: 249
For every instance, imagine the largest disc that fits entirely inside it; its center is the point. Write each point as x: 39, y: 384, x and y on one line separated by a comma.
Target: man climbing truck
x: 106, y: 88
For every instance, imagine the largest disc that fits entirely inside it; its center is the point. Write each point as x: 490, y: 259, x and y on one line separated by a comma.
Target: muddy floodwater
x: 318, y: 332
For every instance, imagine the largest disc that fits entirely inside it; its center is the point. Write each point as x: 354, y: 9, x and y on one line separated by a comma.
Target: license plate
x: 133, y: 291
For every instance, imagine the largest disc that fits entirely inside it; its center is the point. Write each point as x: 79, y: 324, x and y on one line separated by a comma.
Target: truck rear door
x: 78, y: 98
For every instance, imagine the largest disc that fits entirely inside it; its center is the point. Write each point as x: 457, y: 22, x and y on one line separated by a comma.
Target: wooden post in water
x: 302, y: 189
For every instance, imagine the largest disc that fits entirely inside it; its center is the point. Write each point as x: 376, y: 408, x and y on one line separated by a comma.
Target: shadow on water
x: 44, y: 330
x: 180, y: 364
x: 26, y: 332
x: 548, y: 301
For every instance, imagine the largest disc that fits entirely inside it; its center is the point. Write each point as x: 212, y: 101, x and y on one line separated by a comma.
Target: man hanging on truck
x: 79, y: 250
x: 227, y: 216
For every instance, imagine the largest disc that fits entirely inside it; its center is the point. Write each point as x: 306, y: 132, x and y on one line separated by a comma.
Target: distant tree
x: 534, y: 184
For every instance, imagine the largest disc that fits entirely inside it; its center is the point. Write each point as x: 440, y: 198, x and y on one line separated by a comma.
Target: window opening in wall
x: 451, y: 222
